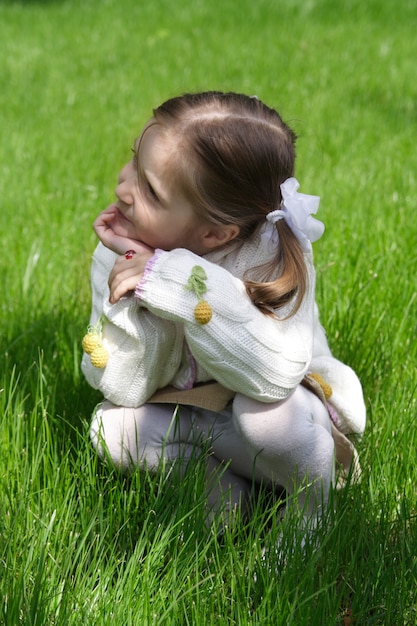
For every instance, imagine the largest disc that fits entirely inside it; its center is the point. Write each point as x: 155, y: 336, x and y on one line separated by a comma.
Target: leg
x: 142, y: 436
x: 132, y: 437
x: 232, y: 460
x: 291, y: 444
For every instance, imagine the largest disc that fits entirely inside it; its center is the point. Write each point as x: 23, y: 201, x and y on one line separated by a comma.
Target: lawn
x: 80, y: 544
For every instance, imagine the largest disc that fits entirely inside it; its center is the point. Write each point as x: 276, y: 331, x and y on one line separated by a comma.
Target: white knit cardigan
x: 153, y: 339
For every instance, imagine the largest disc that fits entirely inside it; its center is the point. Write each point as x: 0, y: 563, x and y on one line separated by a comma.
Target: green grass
x: 81, y: 544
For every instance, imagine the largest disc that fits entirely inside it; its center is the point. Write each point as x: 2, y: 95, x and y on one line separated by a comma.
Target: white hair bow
x: 296, y: 209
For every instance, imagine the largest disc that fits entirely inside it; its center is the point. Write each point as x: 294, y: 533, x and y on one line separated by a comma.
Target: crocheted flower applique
x: 196, y: 283
x: 326, y: 388
x: 92, y: 345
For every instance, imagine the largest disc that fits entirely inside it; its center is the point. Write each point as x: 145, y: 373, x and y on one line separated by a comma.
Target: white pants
x: 288, y: 443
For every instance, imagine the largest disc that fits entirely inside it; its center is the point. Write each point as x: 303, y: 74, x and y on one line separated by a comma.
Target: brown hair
x: 235, y: 154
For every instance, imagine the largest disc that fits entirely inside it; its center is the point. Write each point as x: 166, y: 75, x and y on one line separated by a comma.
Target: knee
x: 111, y: 437
x: 293, y: 433
x: 260, y: 424
x: 288, y: 421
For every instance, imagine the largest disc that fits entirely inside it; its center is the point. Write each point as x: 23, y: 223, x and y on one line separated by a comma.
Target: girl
x: 203, y: 298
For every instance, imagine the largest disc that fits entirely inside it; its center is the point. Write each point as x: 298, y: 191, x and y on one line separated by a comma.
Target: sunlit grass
x: 80, y: 543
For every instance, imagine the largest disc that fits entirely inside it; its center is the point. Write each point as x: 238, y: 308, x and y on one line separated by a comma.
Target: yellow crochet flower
x: 203, y: 312
x: 326, y: 388
x: 90, y: 342
x: 99, y: 357
x: 92, y: 345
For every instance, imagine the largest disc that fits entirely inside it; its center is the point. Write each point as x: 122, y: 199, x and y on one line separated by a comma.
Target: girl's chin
x: 122, y: 231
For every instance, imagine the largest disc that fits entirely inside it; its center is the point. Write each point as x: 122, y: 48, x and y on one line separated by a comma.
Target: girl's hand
x: 104, y: 230
x: 127, y: 272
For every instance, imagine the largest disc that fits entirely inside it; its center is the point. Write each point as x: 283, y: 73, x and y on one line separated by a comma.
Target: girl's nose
x: 125, y: 172
x: 124, y: 187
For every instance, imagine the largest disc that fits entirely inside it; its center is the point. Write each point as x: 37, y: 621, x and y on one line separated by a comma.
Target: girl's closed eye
x: 151, y: 191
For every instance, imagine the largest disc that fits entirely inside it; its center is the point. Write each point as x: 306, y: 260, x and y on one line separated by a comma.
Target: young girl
x: 203, y: 300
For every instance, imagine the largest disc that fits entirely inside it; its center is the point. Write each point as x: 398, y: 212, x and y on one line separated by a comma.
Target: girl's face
x: 150, y: 205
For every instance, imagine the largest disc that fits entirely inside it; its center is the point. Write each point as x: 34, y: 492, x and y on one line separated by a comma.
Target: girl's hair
x: 235, y: 153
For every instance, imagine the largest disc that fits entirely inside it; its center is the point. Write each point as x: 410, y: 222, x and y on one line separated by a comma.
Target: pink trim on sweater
x: 148, y: 270
x: 334, y: 415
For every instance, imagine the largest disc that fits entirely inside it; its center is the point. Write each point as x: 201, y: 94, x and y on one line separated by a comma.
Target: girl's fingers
x: 125, y: 275
x: 121, y: 287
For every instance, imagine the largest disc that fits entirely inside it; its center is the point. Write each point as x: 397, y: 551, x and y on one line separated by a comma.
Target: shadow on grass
x: 44, y: 361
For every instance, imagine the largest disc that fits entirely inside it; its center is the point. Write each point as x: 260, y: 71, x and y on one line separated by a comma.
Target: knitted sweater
x: 154, y: 340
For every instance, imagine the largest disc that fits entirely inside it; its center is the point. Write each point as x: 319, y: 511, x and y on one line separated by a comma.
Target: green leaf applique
x: 196, y: 283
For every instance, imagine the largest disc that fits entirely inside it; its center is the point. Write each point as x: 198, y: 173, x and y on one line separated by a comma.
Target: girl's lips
x: 121, y: 215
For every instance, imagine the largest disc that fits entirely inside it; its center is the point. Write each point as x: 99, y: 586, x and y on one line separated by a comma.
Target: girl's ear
x: 216, y: 236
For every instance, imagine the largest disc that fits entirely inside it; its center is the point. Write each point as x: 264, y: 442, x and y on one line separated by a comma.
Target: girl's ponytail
x: 292, y: 282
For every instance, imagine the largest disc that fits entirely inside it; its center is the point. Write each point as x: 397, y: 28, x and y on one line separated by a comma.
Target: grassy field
x: 80, y: 544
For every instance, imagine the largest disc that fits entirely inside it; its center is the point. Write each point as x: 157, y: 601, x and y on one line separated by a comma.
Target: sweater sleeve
x: 260, y: 356
x: 346, y: 390
x: 144, y: 350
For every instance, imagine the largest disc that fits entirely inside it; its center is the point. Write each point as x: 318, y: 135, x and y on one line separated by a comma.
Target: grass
x: 81, y: 544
